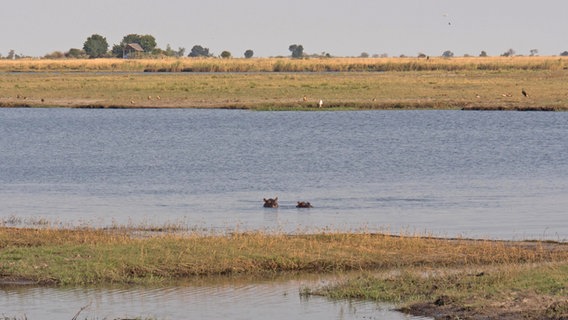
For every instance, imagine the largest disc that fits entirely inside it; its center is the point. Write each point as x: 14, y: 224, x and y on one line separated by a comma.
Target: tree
x: 534, y: 52
x: 249, y: 53
x: 297, y: 50
x: 225, y: 54
x: 483, y: 54
x: 117, y: 51
x: 55, y: 55
x: 508, y: 53
x: 173, y: 53
x: 148, y: 43
x: 564, y: 54
x: 96, y: 46
x: 169, y: 52
x: 75, y: 53
x: 199, y: 51
x: 447, y: 54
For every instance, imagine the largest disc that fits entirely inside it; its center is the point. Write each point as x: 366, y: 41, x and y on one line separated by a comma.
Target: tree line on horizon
x: 96, y: 46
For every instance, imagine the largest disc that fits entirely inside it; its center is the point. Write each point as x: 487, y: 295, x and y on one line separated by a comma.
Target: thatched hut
x: 131, y: 50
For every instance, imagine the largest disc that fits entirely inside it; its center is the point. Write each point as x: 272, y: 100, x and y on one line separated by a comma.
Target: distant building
x: 131, y: 50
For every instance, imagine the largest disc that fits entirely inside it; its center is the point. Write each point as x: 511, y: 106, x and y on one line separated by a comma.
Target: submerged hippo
x: 304, y: 204
x: 271, y: 203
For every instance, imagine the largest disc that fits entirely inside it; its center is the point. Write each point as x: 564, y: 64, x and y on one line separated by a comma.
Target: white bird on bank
x: 320, y: 104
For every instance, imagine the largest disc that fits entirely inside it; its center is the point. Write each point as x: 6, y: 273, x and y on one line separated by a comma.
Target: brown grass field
x: 288, y: 84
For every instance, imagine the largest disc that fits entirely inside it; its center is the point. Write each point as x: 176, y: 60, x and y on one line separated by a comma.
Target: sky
x: 337, y: 27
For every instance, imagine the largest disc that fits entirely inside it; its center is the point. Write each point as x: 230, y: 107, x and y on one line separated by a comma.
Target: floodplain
x: 422, y: 274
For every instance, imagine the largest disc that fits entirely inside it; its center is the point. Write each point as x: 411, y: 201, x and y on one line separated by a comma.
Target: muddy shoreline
x: 336, y: 105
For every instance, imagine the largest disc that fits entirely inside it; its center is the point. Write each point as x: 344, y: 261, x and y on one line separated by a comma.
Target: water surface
x: 223, y: 299
x: 478, y: 174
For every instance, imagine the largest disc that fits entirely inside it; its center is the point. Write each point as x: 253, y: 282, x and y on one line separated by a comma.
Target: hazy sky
x: 341, y: 28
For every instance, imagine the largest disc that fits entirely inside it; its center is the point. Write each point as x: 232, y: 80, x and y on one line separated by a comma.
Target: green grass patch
x: 121, y: 255
x: 508, y: 291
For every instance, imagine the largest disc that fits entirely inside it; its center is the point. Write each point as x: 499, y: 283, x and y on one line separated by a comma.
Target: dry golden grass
x: 288, y: 64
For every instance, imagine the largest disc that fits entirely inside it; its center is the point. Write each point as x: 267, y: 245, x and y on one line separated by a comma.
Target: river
x: 449, y: 173
x: 499, y: 175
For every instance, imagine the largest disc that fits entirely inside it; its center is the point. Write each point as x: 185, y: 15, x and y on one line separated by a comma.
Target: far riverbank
x: 457, y: 90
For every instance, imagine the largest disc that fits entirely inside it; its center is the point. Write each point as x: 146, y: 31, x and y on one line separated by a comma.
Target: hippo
x: 304, y: 204
x: 271, y: 203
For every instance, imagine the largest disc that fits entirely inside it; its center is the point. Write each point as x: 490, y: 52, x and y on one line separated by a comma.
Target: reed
x: 283, y: 64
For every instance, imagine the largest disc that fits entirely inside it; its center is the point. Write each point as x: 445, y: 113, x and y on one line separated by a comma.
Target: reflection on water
x: 228, y: 299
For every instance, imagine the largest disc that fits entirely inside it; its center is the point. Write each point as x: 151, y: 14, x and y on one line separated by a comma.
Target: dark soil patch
x: 521, y: 307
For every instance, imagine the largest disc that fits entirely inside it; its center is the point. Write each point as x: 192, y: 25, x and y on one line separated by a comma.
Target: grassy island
x: 424, y: 275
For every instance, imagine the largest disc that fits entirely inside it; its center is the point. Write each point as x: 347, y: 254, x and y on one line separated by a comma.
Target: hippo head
x: 271, y: 203
x: 304, y: 204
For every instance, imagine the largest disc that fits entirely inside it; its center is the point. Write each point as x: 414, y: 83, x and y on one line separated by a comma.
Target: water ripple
x: 243, y: 299
x: 447, y: 172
